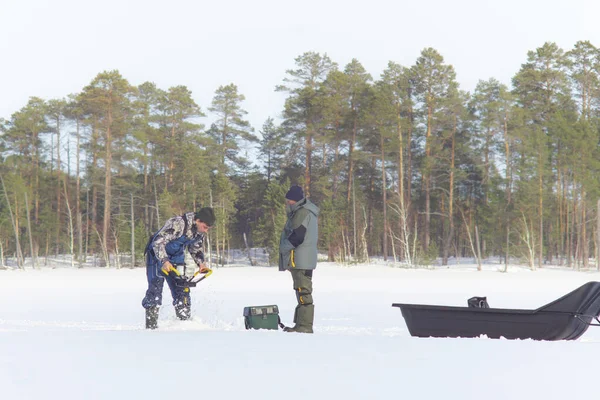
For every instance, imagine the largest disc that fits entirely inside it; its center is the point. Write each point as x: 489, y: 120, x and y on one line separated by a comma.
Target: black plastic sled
x: 566, y: 318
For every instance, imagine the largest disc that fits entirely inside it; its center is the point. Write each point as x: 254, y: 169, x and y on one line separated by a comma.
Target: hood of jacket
x: 307, y: 205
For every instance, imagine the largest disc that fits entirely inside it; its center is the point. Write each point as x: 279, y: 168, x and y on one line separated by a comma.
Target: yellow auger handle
x: 173, y: 269
x: 178, y: 274
x: 205, y: 274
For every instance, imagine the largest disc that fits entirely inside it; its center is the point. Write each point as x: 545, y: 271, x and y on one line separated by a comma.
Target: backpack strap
x: 147, y: 248
x: 185, y: 221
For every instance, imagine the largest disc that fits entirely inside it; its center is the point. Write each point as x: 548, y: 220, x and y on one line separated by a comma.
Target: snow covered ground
x: 78, y: 334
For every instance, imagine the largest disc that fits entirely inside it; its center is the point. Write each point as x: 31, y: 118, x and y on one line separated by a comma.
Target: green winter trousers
x: 305, y: 310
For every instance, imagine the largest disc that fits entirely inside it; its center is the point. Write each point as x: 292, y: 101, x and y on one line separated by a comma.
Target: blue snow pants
x: 156, y: 278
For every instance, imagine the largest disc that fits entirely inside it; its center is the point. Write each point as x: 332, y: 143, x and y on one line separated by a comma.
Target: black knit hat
x: 295, y: 193
x: 206, y: 215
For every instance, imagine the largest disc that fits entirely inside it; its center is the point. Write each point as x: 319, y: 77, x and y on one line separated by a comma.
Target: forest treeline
x: 404, y: 166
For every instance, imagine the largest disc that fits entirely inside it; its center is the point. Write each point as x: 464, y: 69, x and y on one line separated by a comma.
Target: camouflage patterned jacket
x: 173, y: 230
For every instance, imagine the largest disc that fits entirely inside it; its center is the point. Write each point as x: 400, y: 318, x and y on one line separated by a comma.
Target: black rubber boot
x: 183, y: 311
x: 303, y: 318
x: 152, y: 318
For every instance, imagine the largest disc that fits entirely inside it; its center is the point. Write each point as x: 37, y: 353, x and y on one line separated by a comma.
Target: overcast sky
x: 51, y: 48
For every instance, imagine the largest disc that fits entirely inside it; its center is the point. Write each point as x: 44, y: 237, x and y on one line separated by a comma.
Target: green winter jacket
x: 298, y: 243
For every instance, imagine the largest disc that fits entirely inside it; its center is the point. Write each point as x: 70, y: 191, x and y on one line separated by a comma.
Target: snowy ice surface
x: 78, y: 334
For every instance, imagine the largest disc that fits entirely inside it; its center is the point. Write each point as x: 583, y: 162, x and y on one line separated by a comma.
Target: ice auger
x: 181, y: 280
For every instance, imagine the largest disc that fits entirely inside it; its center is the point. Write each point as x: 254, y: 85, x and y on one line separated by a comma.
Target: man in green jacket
x: 298, y: 254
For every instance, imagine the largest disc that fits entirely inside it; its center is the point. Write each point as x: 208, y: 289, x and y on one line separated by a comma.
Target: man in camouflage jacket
x: 164, y: 251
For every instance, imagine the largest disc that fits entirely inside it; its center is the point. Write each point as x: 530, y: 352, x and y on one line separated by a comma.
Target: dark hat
x: 206, y: 215
x: 295, y: 193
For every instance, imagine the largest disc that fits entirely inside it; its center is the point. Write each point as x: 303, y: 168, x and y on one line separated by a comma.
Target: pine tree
x: 273, y: 219
x: 332, y: 99
x: 302, y: 116
x: 178, y: 112
x: 56, y: 110
x: 583, y: 64
x: 231, y: 127
x: 433, y: 81
x: 272, y: 148
x: 108, y: 99
x: 542, y: 90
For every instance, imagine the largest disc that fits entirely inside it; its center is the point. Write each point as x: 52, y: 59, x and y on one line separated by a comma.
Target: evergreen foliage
x: 405, y: 165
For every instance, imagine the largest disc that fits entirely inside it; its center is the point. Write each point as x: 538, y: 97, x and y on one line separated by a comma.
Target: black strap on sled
x: 281, y: 325
x: 579, y: 317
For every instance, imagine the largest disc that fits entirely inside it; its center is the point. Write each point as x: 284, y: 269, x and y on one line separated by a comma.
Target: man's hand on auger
x: 167, y: 267
x: 203, y: 268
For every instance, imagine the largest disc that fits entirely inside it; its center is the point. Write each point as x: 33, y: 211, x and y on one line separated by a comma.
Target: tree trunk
x: 32, y: 254
x: 36, y: 191
x: 87, y: 222
x: 107, y: 184
x: 307, y: 168
x: 598, y: 235
x: 351, y: 163
x: 384, y: 190
x: 58, y: 184
x: 172, y: 155
x: 584, y: 240
x: 478, y: 248
x: 570, y: 233
x: 79, y: 239
x: 94, y: 205
x: 541, y: 211
x: 132, y: 234
x: 47, y: 248
x: 224, y: 140
x: 335, y: 173
x: 2, y: 264
x: 566, y: 224
x: 78, y: 195
x: 156, y: 203
x: 369, y: 218
x: 401, y: 226
x: 506, y: 251
x: 427, y: 173
x: 93, y: 183
x: 409, y: 161
x: 71, y: 230
x: 146, y: 197
x: 223, y: 236
x: 18, y: 230
x: 508, y: 161
x: 15, y: 226
x: 354, y: 219
x: 450, y: 233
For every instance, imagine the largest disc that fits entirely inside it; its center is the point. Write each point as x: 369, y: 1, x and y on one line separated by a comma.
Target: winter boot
x: 303, y: 319
x: 152, y: 317
x: 183, y: 311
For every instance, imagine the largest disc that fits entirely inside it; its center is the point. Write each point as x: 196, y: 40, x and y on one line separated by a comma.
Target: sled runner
x: 566, y: 318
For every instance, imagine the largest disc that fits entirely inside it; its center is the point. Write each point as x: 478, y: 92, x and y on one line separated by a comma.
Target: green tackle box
x: 261, y: 317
